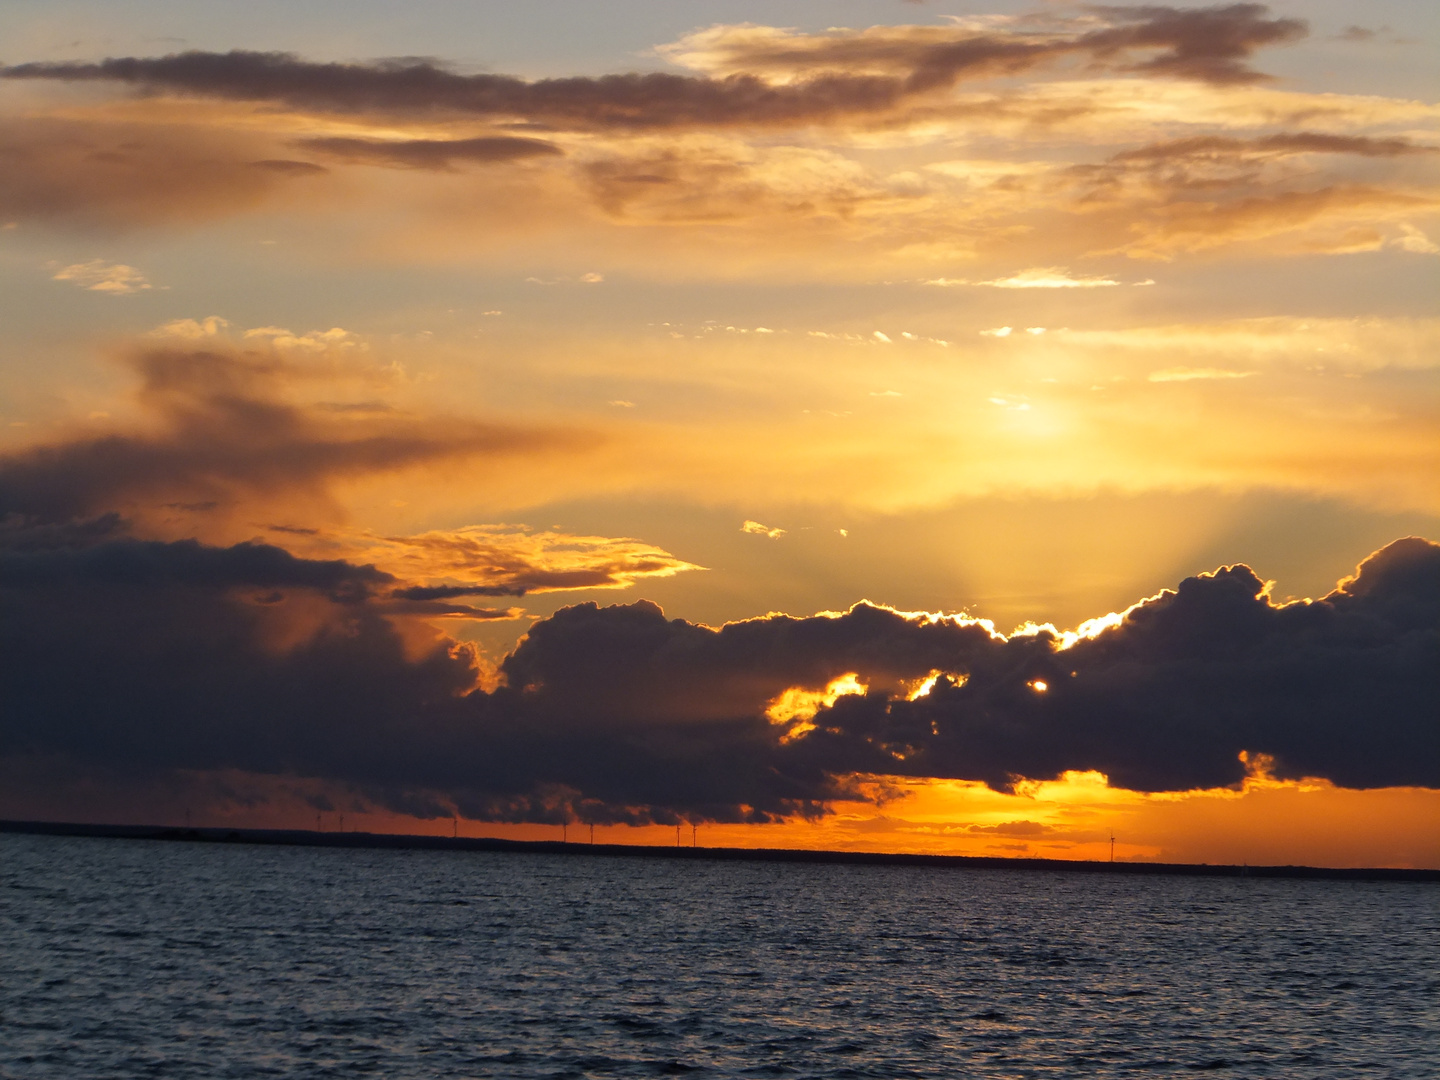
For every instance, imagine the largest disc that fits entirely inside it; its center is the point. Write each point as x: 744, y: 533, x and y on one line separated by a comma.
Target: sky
x: 971, y: 428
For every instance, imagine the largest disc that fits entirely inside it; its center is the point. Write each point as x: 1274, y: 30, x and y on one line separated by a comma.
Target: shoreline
x: 400, y: 841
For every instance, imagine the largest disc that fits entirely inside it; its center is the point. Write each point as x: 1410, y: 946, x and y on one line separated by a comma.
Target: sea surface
x: 132, y: 958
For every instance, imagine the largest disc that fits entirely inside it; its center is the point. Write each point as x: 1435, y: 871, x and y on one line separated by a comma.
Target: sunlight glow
x: 918, y: 688
x: 797, y: 706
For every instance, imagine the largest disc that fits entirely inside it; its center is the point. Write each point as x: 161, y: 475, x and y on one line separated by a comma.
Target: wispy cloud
x: 757, y: 529
x: 1185, y: 374
x: 1050, y: 278
x: 97, y: 275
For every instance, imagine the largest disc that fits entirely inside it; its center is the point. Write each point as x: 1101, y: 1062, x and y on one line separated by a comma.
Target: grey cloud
x: 1210, y: 44
x: 1357, y: 33
x: 224, y: 431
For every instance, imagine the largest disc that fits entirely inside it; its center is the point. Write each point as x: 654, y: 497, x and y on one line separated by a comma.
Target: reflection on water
x: 127, y: 958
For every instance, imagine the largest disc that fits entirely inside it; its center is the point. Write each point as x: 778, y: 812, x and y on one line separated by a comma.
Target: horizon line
x: 412, y: 841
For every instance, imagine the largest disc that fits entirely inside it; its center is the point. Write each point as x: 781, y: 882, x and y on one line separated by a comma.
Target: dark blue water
x: 131, y: 958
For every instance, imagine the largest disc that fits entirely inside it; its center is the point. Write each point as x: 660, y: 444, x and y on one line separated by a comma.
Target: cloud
x: 1354, y: 32
x: 199, y: 656
x: 99, y: 276
x: 225, y: 425
x: 192, y: 329
x: 287, y: 167
x: 501, y: 560
x: 757, y: 529
x: 177, y: 138
x: 152, y: 564
x: 1278, y: 145
x: 111, y: 172
x: 724, y: 168
x: 1050, y: 278
x: 1337, y: 218
x: 1413, y: 240
x: 1186, y: 374
x: 432, y: 153
x: 1217, y: 191
x: 1209, y: 44
x: 1013, y: 829
x: 701, y: 180
x: 145, y: 657
x: 764, y: 77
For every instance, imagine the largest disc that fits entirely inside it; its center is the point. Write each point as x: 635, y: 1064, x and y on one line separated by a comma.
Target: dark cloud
x: 185, y: 658
x: 621, y: 101
x: 1211, y: 44
x: 151, y: 564
x: 141, y: 657
x: 224, y: 430
x: 844, y: 74
x: 1343, y: 688
x: 433, y: 153
x: 452, y: 592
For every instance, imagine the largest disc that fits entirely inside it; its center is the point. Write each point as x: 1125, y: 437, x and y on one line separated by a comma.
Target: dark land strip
x: 308, y: 838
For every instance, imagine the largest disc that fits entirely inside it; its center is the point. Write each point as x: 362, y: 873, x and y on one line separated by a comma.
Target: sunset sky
x: 498, y: 411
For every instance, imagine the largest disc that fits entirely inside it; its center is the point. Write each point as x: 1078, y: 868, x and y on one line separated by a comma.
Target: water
x: 124, y: 958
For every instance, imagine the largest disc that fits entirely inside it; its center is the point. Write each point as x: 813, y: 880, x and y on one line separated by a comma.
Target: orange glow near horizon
x: 1262, y: 821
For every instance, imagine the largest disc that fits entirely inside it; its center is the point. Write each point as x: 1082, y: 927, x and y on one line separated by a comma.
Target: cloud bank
x: 821, y: 78
x: 767, y: 128
x: 145, y: 657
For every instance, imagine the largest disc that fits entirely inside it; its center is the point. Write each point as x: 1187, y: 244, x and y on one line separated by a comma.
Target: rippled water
x: 122, y: 958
